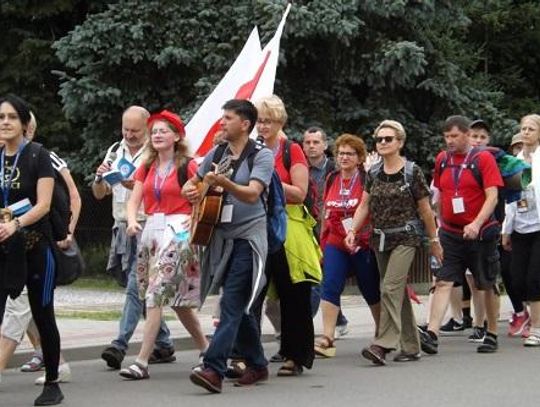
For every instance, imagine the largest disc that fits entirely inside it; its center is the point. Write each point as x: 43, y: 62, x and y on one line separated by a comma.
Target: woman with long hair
x: 396, y: 197
x: 167, y: 267
x: 26, y: 256
x: 342, y: 195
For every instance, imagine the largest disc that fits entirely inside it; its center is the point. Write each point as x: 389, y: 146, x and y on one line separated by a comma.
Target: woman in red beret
x: 167, y: 267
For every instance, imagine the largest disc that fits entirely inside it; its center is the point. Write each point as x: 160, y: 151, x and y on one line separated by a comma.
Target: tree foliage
x: 345, y: 65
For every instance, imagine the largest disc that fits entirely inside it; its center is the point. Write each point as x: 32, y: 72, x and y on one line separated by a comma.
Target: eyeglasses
x: 347, y: 153
x: 160, y: 131
x: 265, y: 122
x: 386, y: 139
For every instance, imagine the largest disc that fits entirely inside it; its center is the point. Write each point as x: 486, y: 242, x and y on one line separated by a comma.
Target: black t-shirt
x: 31, y: 166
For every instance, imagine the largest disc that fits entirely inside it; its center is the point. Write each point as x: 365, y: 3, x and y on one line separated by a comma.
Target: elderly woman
x: 396, y: 197
x: 291, y: 278
x: 167, y: 268
x: 521, y: 232
x: 26, y: 256
x: 342, y: 195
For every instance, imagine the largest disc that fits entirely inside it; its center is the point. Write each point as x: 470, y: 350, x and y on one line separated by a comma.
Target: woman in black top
x: 26, y: 184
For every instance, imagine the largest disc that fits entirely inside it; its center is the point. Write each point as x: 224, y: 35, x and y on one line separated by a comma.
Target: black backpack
x: 60, y: 211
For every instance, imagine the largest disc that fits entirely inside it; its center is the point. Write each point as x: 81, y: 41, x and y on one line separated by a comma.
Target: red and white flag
x: 251, y: 76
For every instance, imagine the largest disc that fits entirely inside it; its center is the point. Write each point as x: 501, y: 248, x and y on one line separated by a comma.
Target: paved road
x: 458, y: 376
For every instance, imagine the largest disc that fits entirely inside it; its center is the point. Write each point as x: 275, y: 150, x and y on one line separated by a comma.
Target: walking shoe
x: 113, y: 356
x: 161, y: 355
x: 406, y: 357
x: 50, y: 396
x: 518, y: 323
x: 208, y: 379
x: 64, y: 375
x: 429, y: 342
x: 236, y: 369
x: 422, y: 328
x: 375, y: 354
x: 452, y: 326
x: 342, y: 330
x: 277, y: 358
x: 252, y: 376
x: 526, y: 330
x: 33, y: 365
x: 467, y: 322
x: 532, y: 340
x: 477, y: 335
x: 489, y: 345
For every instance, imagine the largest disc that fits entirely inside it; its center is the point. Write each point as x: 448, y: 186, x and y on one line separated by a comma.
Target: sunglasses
x: 386, y: 139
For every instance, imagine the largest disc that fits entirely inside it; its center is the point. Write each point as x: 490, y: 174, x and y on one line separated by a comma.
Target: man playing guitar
x: 235, y: 256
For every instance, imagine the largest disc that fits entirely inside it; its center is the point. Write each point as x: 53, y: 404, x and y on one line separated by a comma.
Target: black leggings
x: 40, y: 284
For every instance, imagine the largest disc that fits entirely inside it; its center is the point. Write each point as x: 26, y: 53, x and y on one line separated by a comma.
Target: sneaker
x: 161, y: 355
x: 452, y: 326
x: 518, y: 323
x: 33, y: 365
x: 532, y: 340
x: 406, y: 357
x: 113, y: 356
x: 252, y: 376
x: 64, y: 375
x: 489, y: 344
x: 277, y: 358
x: 208, y: 379
x: 236, y: 369
x: 50, y: 396
x: 477, y: 335
x: 429, y: 342
x: 342, y: 330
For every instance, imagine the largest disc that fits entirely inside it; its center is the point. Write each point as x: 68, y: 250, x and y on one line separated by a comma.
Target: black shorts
x: 481, y: 257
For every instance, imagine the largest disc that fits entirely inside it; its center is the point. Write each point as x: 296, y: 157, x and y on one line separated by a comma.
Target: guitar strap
x: 218, y: 155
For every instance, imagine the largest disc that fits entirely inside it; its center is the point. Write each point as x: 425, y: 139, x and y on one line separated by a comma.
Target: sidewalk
x: 84, y: 339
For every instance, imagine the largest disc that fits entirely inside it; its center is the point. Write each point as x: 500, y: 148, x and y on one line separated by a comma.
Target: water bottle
x: 434, y: 263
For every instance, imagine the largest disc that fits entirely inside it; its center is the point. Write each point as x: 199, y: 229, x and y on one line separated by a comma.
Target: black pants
x: 40, y: 284
x: 297, y: 332
x: 506, y: 274
x: 525, y: 265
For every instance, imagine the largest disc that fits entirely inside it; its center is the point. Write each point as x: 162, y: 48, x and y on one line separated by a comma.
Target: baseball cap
x: 479, y: 123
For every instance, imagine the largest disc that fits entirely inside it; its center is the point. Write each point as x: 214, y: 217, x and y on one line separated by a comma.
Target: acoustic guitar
x: 207, y: 213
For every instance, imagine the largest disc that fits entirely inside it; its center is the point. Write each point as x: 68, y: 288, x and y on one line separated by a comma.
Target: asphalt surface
x: 457, y: 376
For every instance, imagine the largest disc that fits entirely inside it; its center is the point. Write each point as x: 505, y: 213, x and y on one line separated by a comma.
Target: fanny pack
x: 412, y: 227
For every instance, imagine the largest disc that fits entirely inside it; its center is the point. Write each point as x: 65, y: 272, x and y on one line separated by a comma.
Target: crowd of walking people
x: 289, y: 224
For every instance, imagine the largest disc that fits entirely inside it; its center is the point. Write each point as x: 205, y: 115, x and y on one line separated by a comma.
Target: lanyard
x: 163, y: 177
x: 6, y: 187
x: 456, y: 172
x: 345, y: 197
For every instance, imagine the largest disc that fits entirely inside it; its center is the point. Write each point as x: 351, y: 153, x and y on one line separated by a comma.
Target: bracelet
x: 434, y: 240
x: 17, y: 224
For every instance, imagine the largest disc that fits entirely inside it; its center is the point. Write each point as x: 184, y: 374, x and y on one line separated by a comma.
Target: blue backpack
x: 273, y: 198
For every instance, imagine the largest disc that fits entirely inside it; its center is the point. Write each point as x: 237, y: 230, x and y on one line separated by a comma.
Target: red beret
x: 170, y: 117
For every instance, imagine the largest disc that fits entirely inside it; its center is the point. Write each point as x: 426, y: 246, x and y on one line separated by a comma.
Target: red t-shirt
x: 468, y: 188
x: 172, y: 202
x: 297, y: 157
x: 339, y: 206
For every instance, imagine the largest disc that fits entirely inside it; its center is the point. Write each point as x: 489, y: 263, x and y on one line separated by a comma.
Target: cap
x: 479, y: 123
x: 170, y: 117
x: 516, y: 138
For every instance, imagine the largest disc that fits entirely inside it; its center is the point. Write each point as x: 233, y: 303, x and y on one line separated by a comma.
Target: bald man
x: 122, y: 256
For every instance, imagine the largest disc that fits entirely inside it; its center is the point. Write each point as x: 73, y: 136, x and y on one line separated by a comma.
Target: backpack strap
x: 182, y: 172
x: 286, y: 156
x: 471, y: 164
x: 218, y: 154
x: 330, y: 179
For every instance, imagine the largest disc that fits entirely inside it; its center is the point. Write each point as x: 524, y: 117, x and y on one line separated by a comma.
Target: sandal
x: 135, y: 372
x: 33, y: 365
x: 325, y: 348
x: 290, y: 369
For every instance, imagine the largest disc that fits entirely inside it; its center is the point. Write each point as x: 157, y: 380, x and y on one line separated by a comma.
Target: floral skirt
x: 167, y: 266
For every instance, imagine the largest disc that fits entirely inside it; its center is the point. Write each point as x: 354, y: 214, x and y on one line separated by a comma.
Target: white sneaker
x: 64, y: 375
x: 532, y: 340
x: 341, y: 330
